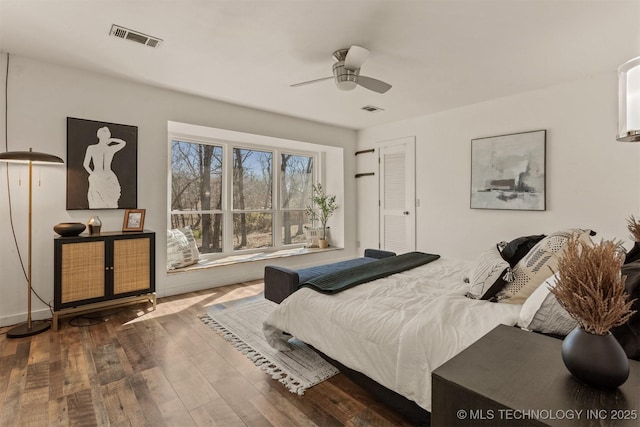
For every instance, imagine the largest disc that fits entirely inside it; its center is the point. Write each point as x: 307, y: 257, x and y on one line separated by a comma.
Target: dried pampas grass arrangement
x: 590, y: 286
x: 634, y: 228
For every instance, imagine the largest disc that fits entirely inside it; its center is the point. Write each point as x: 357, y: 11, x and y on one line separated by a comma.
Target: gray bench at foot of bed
x: 280, y: 282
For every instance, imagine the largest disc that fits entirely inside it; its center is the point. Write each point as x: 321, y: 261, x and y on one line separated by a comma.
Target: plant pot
x: 323, y: 244
x: 595, y: 359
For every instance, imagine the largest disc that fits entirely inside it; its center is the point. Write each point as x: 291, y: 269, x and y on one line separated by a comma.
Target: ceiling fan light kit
x: 345, y: 79
x: 346, y: 71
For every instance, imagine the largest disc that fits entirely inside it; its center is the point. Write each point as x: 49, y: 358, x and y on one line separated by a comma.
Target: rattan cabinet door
x: 131, y: 265
x: 82, y: 271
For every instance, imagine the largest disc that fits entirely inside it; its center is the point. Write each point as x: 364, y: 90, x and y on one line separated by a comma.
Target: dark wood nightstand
x: 515, y: 378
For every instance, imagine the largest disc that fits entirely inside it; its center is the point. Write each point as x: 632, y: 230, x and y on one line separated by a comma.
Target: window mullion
x: 277, y: 208
x: 227, y: 200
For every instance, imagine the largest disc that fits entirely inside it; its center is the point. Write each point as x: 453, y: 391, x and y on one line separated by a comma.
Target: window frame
x: 228, y: 210
x: 278, y: 172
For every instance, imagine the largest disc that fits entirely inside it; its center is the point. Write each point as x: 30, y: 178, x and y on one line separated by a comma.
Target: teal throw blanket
x: 338, y: 281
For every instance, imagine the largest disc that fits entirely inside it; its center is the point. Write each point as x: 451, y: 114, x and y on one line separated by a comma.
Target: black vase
x: 595, y: 359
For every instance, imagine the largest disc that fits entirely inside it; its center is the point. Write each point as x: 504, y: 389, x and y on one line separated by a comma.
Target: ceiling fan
x: 346, y: 71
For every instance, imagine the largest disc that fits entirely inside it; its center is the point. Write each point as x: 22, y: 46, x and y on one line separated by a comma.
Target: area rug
x: 241, y: 325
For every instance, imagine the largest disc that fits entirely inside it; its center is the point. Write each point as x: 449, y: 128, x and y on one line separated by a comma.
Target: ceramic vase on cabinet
x: 95, y: 224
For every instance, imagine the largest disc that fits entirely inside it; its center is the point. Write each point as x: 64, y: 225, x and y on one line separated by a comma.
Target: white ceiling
x: 437, y: 55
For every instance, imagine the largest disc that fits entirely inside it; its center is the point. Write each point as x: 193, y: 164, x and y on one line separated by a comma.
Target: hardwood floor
x: 165, y: 367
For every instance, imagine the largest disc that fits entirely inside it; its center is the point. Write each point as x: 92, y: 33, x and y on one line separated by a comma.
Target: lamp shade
x: 629, y: 101
x: 29, y: 156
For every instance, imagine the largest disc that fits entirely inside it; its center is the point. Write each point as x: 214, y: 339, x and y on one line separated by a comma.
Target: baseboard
x: 15, y: 319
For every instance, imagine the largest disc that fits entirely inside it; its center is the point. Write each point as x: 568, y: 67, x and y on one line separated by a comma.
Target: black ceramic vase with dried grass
x: 596, y: 359
x: 591, y: 289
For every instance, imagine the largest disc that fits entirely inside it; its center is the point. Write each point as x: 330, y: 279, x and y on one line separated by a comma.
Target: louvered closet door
x: 397, y: 196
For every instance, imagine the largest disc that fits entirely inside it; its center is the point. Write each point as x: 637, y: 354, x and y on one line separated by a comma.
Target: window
x: 296, y: 181
x: 252, y: 199
x: 196, y: 192
x: 238, y: 197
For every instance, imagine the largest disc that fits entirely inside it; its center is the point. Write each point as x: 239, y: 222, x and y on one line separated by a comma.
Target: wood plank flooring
x: 137, y: 367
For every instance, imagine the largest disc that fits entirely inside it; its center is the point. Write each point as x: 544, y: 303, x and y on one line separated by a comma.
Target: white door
x: 398, y: 195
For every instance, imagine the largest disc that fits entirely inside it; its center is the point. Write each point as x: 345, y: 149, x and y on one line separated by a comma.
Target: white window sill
x: 255, y: 256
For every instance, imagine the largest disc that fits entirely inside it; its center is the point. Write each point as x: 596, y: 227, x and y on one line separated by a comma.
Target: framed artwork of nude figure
x: 102, y: 165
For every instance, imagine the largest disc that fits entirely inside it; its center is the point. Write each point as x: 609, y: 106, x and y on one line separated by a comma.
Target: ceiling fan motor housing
x: 345, y: 79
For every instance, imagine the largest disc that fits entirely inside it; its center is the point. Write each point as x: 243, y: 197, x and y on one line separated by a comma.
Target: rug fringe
x: 260, y: 361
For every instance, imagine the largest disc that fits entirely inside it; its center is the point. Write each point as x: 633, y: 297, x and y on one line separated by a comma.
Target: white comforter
x: 395, y: 330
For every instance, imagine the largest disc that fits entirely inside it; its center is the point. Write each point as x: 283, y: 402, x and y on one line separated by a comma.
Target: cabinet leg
x: 54, y: 322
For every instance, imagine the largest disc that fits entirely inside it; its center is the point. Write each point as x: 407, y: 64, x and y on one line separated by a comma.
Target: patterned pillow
x: 516, y: 249
x: 532, y: 270
x: 181, y: 248
x: 193, y: 246
x: 489, y: 268
x: 542, y: 312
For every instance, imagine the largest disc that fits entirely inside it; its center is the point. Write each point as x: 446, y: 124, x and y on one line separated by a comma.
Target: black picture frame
x: 508, y: 172
x: 117, y: 186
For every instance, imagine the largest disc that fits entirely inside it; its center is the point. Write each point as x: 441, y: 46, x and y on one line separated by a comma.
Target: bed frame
x: 409, y: 409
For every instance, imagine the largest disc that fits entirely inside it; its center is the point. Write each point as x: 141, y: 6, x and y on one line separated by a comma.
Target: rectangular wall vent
x: 135, y: 36
x: 372, y: 108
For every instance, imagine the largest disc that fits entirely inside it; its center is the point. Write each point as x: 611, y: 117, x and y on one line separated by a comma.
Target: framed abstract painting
x: 102, y: 165
x: 508, y: 171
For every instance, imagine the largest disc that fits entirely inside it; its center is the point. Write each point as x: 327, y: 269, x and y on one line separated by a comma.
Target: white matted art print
x: 508, y: 171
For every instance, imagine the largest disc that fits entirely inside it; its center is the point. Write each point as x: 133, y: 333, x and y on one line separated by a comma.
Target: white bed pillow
x: 532, y: 270
x: 181, y: 248
x: 542, y: 312
x: 487, y: 270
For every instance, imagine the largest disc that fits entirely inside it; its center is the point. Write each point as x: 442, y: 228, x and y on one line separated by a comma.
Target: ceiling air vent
x: 135, y: 36
x: 372, y: 108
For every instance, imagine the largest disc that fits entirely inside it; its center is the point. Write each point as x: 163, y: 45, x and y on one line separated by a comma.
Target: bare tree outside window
x: 196, y: 192
x: 199, y: 199
x: 295, y: 190
x: 252, y: 199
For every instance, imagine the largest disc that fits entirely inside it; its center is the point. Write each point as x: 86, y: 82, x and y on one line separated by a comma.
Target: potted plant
x: 321, y: 208
x: 591, y: 288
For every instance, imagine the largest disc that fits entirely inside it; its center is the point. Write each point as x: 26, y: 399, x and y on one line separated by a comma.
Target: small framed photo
x: 133, y: 220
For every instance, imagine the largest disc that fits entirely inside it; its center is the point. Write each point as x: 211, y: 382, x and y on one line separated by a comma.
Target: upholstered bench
x: 280, y: 282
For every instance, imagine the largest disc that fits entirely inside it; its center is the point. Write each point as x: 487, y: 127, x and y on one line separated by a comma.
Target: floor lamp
x: 30, y: 157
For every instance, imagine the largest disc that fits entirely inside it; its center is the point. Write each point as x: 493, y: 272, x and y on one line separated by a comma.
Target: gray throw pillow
x: 542, y: 312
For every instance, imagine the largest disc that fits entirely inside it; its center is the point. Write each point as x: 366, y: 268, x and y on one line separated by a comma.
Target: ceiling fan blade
x: 373, y: 84
x: 355, y: 57
x: 310, y: 81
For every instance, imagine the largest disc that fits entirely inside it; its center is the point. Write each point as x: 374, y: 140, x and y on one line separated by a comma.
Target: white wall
x: 592, y: 180
x: 42, y: 96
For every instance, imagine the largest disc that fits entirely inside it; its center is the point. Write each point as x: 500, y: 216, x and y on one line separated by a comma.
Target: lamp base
x: 23, y: 330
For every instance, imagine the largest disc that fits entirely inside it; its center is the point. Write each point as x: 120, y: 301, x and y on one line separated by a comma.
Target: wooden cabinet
x: 512, y: 378
x: 99, y: 271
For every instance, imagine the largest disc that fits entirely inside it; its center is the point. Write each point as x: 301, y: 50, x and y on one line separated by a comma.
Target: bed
x: 396, y: 330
